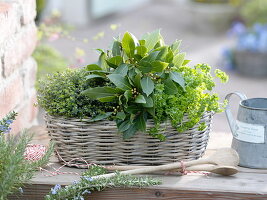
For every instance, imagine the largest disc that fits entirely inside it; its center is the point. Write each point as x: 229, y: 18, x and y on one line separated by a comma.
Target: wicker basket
x: 99, y: 143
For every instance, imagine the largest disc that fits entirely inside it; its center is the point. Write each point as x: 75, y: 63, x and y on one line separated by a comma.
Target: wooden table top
x: 247, y: 184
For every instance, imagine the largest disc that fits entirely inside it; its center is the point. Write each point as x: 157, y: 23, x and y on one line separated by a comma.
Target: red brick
x: 9, y: 20
x: 11, y: 94
x: 27, y: 113
x: 29, y: 72
x: 28, y: 11
x: 19, y: 49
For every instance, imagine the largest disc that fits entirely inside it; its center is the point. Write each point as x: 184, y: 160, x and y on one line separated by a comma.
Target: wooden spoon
x: 223, y: 157
x: 216, y: 169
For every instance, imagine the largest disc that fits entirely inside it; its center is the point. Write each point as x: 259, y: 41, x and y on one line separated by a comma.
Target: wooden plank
x: 144, y: 193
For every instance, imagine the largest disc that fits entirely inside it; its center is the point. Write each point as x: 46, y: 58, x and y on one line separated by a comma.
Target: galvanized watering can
x: 249, y: 130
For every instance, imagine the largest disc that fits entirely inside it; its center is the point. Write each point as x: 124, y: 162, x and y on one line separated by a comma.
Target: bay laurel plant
x: 151, y: 80
x: 14, y: 169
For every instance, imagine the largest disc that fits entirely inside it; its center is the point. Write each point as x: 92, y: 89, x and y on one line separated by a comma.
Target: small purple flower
x: 20, y: 190
x: 55, y: 189
x: 86, y: 192
x: 87, y: 178
x: 9, y: 121
x: 75, y: 182
x: 2, y: 128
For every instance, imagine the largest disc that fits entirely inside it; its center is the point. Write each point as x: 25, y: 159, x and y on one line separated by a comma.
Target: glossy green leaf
x: 142, y: 42
x: 147, y: 85
x: 162, y: 53
x: 170, y: 87
x: 100, y: 117
x: 102, y: 61
x: 122, y: 70
x: 99, y: 92
x: 176, y: 46
x: 151, y: 39
x: 114, y: 62
x: 140, y: 99
x: 130, y: 132
x: 151, y: 111
x: 107, y: 99
x: 176, y: 77
x: 158, y: 66
x: 149, y: 102
x: 120, y: 81
x: 150, y: 58
x: 141, y: 50
x: 120, y: 115
x: 93, y: 67
x: 116, y: 48
x: 179, y: 59
x: 128, y: 44
x: 186, y: 62
x: 94, y: 76
x: 141, y: 123
x: 124, y: 126
x: 133, y: 109
x: 137, y: 57
x: 145, y: 67
x: 137, y: 81
x: 169, y: 56
x: 128, y: 95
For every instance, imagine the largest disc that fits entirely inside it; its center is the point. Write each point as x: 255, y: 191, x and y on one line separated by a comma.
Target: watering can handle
x: 230, y: 118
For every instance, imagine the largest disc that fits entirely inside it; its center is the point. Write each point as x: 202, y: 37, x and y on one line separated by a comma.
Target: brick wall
x: 18, y: 36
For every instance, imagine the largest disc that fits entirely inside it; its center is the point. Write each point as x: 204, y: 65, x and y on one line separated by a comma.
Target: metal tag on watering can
x: 252, y: 133
x: 249, y: 130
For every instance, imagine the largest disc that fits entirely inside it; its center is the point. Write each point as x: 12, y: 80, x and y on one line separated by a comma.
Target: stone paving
x: 174, y: 20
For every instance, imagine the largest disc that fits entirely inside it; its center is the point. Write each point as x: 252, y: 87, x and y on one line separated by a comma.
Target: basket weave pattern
x: 100, y: 143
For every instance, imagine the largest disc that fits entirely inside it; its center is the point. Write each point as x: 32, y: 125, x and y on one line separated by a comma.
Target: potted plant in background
x: 248, y: 56
x: 155, y: 108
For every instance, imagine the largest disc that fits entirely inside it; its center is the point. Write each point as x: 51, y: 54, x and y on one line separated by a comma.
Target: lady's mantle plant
x: 150, y: 80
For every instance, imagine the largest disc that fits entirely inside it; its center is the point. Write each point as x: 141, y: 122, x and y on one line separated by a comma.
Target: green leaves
x: 128, y: 44
x: 176, y: 77
x: 120, y: 81
x: 140, y: 99
x: 115, y: 61
x: 158, y: 66
x: 116, y: 48
x: 178, y: 59
x: 122, y: 70
x: 100, y: 117
x: 136, y: 67
x: 93, y: 67
x: 147, y: 85
x: 170, y: 87
x: 100, y: 92
x: 141, y: 50
x: 152, y: 39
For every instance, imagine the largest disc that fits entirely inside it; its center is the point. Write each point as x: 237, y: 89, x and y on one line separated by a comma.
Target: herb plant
x: 60, y: 94
x: 147, y: 75
x: 82, y: 188
x: 14, y: 169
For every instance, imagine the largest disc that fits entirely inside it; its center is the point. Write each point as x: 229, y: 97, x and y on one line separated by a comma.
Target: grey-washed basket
x: 100, y: 143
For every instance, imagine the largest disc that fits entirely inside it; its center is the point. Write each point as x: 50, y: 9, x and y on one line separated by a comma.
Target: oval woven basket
x: 100, y: 143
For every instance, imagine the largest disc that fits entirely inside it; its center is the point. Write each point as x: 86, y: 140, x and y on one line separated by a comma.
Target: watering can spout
x: 229, y: 116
